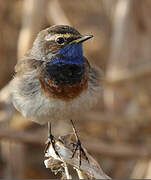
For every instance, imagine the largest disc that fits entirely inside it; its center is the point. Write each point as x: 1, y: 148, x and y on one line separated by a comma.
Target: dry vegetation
x: 117, y: 131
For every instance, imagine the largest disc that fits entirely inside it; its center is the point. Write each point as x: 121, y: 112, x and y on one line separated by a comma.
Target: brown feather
x: 65, y: 93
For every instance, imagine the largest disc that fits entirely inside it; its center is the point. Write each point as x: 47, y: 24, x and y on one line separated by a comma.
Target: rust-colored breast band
x: 65, y: 93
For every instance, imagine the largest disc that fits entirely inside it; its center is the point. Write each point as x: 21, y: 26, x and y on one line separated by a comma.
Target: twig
x: 64, y: 148
x: 20, y: 136
x: 81, y: 175
x: 68, y: 176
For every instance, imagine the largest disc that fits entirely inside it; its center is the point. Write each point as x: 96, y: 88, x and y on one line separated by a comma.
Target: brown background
x: 117, y: 131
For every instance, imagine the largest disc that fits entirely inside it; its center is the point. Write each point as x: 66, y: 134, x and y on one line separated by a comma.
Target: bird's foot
x: 78, y: 146
x: 51, y: 141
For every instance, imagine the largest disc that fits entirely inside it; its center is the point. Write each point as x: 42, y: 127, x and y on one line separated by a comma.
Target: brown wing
x: 26, y: 65
x: 95, y: 75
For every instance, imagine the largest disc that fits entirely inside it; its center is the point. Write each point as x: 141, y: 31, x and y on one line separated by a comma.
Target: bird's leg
x: 78, y: 146
x: 51, y: 140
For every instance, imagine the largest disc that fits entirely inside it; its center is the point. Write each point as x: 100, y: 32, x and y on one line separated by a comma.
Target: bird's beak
x: 81, y: 39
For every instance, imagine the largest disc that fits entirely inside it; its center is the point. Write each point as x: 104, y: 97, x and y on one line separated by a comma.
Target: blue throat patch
x: 67, y: 67
x: 70, y: 54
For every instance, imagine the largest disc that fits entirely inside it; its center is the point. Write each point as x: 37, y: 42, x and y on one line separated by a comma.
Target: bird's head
x: 60, y: 41
x: 61, y: 47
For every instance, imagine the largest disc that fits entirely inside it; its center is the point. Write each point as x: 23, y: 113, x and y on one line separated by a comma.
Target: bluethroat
x: 54, y: 80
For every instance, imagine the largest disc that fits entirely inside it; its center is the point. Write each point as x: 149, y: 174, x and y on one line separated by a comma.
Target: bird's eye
x: 60, y: 40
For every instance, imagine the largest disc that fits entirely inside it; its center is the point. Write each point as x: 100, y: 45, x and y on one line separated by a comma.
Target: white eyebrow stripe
x: 50, y: 37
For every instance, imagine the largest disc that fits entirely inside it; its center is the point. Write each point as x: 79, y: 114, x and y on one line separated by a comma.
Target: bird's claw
x: 51, y: 141
x: 78, y: 146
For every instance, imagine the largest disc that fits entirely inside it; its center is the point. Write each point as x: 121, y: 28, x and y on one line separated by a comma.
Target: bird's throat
x: 70, y: 54
x: 67, y: 74
x: 67, y: 67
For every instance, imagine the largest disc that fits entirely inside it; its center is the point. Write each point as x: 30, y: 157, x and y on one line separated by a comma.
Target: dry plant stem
x: 117, y: 151
x: 140, y: 169
x: 68, y: 176
x: 32, y: 20
x: 59, y: 16
x: 20, y: 136
x: 65, y: 156
x: 11, y: 153
x: 141, y: 71
x: 81, y: 175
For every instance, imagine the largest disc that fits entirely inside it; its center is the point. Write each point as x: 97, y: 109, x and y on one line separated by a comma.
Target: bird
x: 54, y: 80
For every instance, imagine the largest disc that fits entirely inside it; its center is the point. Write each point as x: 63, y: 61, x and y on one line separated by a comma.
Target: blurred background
x: 117, y: 131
